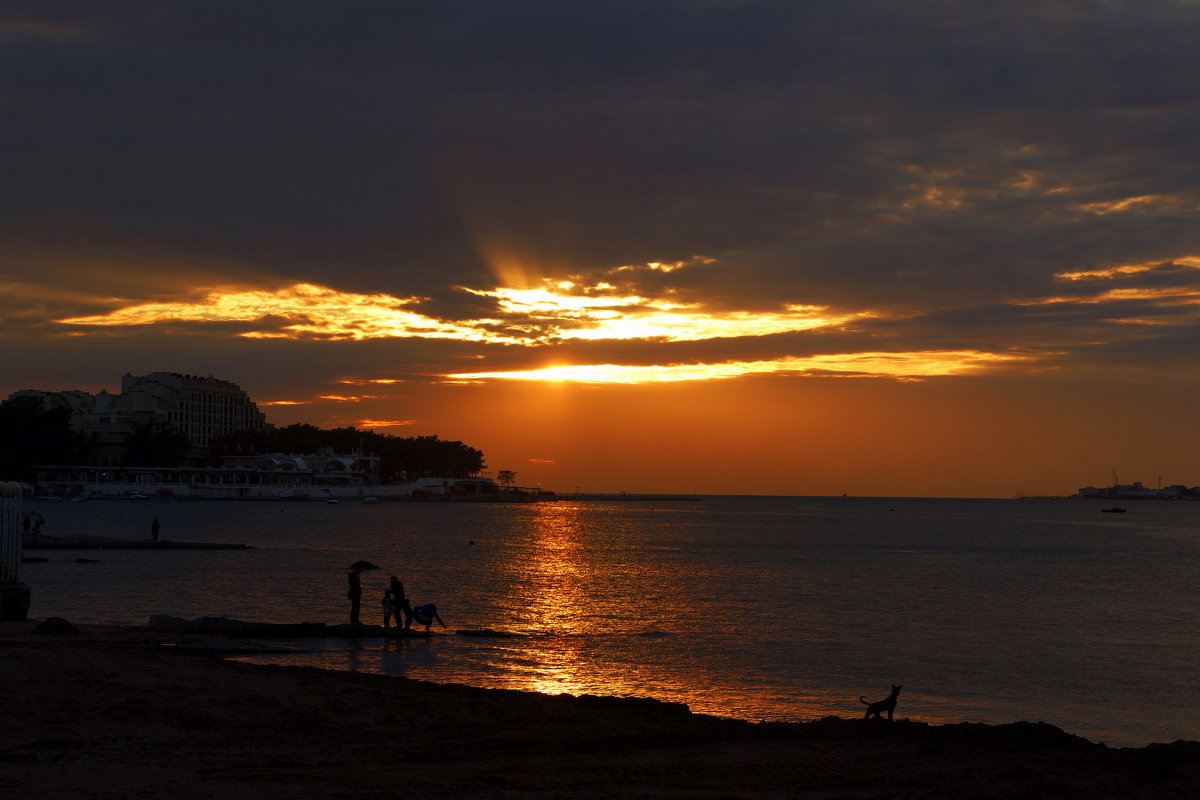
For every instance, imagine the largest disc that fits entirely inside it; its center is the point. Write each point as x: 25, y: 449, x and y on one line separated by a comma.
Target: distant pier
x: 43, y: 542
x: 627, y: 496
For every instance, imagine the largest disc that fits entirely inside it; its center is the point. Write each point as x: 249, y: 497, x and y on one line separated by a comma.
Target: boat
x: 1113, y: 510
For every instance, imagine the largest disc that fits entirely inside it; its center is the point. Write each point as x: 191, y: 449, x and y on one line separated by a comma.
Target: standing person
x: 38, y: 522
x: 355, y: 590
x: 388, y: 606
x: 154, y: 529
x: 355, y: 595
x: 399, y: 601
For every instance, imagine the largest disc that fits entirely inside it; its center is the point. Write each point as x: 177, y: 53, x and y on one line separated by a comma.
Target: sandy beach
x: 129, y: 712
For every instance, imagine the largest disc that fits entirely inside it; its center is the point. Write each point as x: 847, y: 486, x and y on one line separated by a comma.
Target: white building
x: 200, y: 408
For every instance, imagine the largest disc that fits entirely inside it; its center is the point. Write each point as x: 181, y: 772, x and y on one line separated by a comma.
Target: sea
x: 758, y: 608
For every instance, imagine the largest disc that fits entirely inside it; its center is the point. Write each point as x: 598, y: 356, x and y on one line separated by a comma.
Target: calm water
x: 752, y: 607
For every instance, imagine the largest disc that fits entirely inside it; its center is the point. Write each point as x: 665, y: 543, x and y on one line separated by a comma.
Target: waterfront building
x: 201, y: 408
x: 1136, y: 491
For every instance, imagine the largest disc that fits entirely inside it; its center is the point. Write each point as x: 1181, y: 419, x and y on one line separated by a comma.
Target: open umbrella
x: 359, y: 566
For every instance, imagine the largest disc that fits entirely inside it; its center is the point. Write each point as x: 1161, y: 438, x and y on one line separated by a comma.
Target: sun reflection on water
x: 560, y: 578
x: 570, y: 607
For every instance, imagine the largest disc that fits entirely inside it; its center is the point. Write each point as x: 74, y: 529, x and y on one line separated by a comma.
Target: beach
x: 130, y: 712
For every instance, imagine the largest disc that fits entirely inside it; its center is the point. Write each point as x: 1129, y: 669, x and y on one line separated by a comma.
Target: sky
x: 716, y: 246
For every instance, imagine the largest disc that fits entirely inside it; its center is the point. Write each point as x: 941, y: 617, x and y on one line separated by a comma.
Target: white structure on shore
x: 279, y: 476
x: 201, y: 408
x: 1135, y: 490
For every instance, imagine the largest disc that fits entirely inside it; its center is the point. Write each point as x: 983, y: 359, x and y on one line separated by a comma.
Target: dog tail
x: 864, y: 702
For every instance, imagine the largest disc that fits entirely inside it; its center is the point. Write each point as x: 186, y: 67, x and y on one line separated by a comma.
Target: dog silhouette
x: 887, y: 704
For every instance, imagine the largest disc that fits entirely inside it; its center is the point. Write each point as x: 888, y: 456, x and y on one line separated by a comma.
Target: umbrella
x: 358, y: 566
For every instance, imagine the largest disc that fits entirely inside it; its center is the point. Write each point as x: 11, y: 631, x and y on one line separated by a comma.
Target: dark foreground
x: 108, y: 714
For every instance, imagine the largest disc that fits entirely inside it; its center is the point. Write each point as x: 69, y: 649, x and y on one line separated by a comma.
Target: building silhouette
x: 201, y: 408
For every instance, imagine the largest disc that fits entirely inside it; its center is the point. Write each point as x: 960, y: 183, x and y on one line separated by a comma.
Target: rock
x: 169, y: 624
x: 221, y: 625
x: 53, y: 626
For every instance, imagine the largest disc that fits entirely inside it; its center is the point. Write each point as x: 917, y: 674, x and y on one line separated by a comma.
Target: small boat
x: 331, y: 501
x: 370, y: 499
x: 1113, y: 510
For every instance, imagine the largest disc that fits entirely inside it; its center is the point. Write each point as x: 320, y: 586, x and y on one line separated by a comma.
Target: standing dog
x: 877, y: 708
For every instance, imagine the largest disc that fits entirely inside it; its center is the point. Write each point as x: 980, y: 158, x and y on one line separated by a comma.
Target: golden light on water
x: 561, y: 596
x: 896, y: 365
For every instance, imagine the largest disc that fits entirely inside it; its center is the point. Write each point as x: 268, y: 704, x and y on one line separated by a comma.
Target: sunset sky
x: 720, y: 246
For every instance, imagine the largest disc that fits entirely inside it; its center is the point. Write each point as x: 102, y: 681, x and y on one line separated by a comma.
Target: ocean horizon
x: 757, y: 607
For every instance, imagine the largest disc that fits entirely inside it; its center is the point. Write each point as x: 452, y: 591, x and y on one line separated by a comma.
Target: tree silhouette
x: 30, y: 436
x: 150, y: 445
x: 410, y: 457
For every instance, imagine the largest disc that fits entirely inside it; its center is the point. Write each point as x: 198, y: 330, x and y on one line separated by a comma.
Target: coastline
x: 121, y: 712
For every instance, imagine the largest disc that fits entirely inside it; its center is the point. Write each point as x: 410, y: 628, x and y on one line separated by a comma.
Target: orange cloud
x: 311, y: 312
x: 1171, y: 295
x: 1127, y: 269
x: 1127, y: 203
x: 895, y: 365
x: 383, y: 423
x: 554, y: 311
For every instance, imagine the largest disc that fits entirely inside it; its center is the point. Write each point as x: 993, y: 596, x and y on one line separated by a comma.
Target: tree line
x: 31, y: 436
x: 399, y: 456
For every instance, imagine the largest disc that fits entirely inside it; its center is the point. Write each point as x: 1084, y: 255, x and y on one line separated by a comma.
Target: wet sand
x: 111, y: 713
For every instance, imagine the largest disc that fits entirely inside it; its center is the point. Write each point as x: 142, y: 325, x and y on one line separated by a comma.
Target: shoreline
x: 41, y: 541
x: 129, y: 711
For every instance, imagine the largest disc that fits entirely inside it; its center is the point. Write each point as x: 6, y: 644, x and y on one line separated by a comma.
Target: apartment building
x: 201, y: 408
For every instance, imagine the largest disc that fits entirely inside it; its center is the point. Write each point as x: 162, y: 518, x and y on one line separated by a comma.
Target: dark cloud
x: 930, y: 159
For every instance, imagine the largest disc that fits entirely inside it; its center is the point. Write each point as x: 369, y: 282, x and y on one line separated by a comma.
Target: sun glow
x: 555, y: 311
x: 384, y: 423
x: 593, y: 316
x: 895, y: 365
x: 310, y: 311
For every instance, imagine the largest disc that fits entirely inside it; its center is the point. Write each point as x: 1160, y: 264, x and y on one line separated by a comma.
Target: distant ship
x: 1136, y: 491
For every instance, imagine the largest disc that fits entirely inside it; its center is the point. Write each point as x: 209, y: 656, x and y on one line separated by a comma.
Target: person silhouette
x: 399, y: 600
x: 388, y: 606
x: 422, y: 615
x: 154, y: 528
x: 354, y: 593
